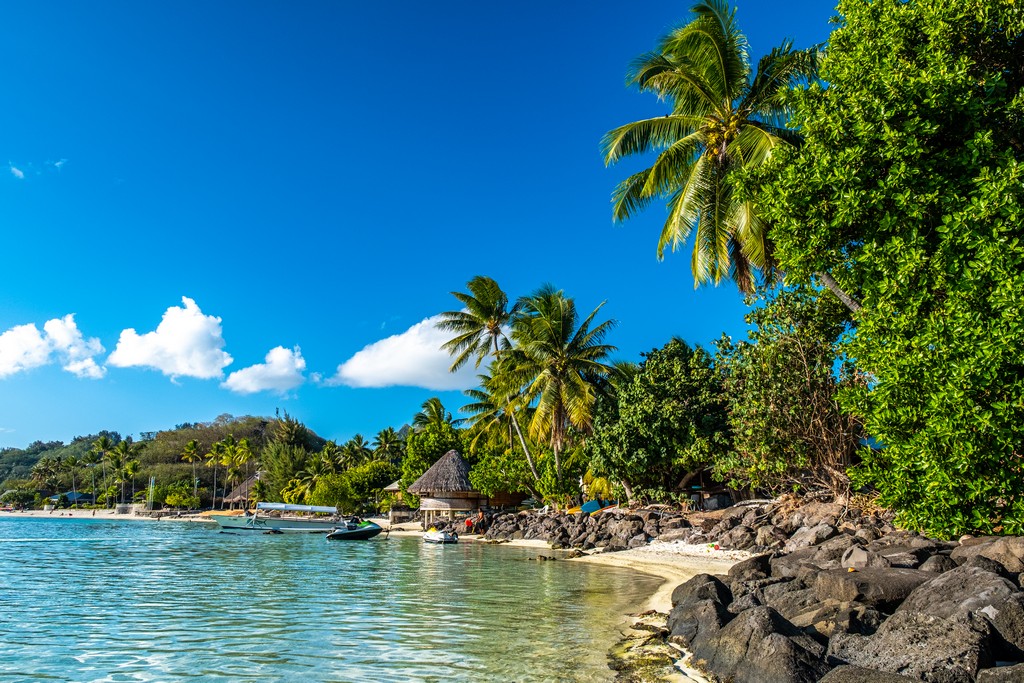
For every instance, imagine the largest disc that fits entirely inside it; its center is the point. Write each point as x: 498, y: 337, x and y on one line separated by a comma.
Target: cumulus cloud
x: 186, y: 343
x: 413, y: 358
x: 16, y: 172
x: 281, y: 372
x: 24, y: 347
x: 76, y: 351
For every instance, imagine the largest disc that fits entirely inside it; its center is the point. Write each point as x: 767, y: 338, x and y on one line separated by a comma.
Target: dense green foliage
x: 668, y: 420
x: 907, y: 189
x: 782, y: 387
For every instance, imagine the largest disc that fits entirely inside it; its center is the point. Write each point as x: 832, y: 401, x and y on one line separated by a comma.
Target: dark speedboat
x: 354, y: 530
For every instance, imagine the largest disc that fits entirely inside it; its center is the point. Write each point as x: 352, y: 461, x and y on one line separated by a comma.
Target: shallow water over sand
x: 86, y: 600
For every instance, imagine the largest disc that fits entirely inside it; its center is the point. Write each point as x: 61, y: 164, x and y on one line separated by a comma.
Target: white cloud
x: 24, y: 347
x: 186, y: 343
x: 77, y: 352
x: 281, y: 373
x: 16, y: 172
x: 412, y: 358
x: 59, y: 164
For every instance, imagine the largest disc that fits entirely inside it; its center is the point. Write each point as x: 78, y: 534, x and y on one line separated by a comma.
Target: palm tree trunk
x: 522, y: 442
x: 834, y: 287
x: 195, y: 481
x: 213, y: 498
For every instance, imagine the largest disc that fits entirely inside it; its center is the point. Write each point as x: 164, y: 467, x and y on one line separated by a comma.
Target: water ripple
x: 107, y: 601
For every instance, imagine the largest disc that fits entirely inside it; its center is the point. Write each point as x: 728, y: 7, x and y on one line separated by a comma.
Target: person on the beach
x: 469, y: 525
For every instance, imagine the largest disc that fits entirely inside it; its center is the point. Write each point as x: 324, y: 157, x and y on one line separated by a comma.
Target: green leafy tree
x: 783, y: 387
x: 281, y: 463
x: 723, y: 120
x: 907, y: 189
x: 669, y: 419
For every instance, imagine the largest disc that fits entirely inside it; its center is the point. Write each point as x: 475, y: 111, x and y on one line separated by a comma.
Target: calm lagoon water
x: 86, y: 600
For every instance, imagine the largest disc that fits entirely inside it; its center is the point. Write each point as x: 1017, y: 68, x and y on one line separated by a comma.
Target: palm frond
x: 646, y: 135
x: 685, y: 207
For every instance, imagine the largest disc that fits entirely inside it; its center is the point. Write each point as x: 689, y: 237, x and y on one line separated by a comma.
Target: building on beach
x: 445, y: 491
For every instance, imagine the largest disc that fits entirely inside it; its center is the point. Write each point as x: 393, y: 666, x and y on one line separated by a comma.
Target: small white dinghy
x: 435, y: 536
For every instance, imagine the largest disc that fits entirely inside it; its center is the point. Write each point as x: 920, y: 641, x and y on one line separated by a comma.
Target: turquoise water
x: 86, y: 600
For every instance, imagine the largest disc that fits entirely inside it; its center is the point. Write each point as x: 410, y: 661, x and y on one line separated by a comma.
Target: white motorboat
x: 435, y: 536
x: 290, y: 519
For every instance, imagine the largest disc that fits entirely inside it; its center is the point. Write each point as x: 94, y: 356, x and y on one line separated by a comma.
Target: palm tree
x: 480, y: 326
x: 90, y: 460
x: 123, y: 454
x: 71, y: 463
x: 387, y: 445
x: 358, y: 450
x: 432, y: 412
x: 191, y: 454
x: 131, y: 469
x: 100, y: 448
x: 722, y: 122
x: 558, y: 360
x: 480, y: 330
x: 213, y: 458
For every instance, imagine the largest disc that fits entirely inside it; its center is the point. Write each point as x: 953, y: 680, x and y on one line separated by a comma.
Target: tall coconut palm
x: 723, y: 120
x: 213, y: 458
x: 123, y: 454
x: 90, y: 460
x: 100, y: 448
x: 191, y: 454
x: 387, y: 445
x: 131, y: 470
x: 71, y: 463
x: 432, y: 412
x: 558, y: 360
x: 358, y: 450
x: 480, y: 331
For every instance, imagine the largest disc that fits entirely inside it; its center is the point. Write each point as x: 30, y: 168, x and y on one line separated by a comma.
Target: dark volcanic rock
x: 937, y: 564
x: 1007, y: 551
x: 958, y: 591
x: 861, y: 558
x: 759, y: 646
x: 857, y: 674
x: 751, y: 569
x: 808, y: 536
x: 701, y: 587
x: 1008, y: 621
x: 825, y: 619
x: 921, y: 646
x: 693, y: 623
x: 792, y: 602
x: 884, y: 588
x: 1003, y: 674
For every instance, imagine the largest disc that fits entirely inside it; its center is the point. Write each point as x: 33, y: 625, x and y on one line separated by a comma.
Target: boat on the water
x: 354, y: 530
x: 316, y: 519
x: 441, y: 537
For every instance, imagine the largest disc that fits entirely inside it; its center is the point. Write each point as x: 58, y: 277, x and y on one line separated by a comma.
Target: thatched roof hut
x: 444, y: 489
x: 240, y: 494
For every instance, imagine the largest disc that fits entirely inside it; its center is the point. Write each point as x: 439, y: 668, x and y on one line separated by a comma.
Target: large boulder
x: 808, y: 536
x: 937, y: 564
x: 862, y: 558
x: 825, y: 619
x: 959, y: 591
x: 922, y: 646
x: 758, y: 646
x: 882, y: 588
x: 751, y: 569
x: 701, y: 587
x: 1006, y: 550
x: 691, y: 624
x: 857, y: 674
x: 1002, y: 674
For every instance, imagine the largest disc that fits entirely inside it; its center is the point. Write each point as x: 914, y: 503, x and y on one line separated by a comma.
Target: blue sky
x: 203, y: 184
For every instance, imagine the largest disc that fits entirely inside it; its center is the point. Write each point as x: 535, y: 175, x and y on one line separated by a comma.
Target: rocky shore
x: 831, y: 593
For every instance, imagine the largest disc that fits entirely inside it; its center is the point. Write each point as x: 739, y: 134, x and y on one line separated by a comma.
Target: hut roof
x: 240, y: 494
x: 447, y: 475
x: 394, y: 486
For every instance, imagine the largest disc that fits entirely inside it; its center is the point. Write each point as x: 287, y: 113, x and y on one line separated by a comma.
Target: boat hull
x: 363, y: 532
x: 440, y: 537
x: 285, y: 525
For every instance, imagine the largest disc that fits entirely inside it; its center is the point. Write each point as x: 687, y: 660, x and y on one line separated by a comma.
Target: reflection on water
x: 86, y: 600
